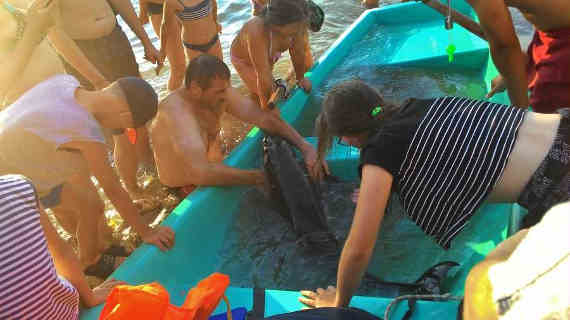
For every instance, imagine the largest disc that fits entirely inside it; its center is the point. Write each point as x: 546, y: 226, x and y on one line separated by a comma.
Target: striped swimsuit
x: 29, y: 285
x: 453, y: 161
x: 197, y: 12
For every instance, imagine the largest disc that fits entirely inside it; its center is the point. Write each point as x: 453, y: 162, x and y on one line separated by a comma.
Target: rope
x: 429, y: 297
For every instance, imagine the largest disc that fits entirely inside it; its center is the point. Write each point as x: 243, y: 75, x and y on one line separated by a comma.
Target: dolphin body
x: 298, y: 198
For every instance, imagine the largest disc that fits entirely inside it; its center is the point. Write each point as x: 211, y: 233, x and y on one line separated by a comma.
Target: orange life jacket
x: 152, y: 301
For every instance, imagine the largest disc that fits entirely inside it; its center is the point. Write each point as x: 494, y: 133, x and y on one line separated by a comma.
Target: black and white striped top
x: 196, y: 12
x: 454, y: 160
x: 29, y: 285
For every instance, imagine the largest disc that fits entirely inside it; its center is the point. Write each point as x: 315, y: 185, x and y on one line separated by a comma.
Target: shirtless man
x: 547, y: 61
x: 96, y: 52
x: 184, y: 133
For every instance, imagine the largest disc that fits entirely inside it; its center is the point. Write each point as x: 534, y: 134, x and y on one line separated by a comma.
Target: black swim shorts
x: 550, y: 184
x: 112, y: 55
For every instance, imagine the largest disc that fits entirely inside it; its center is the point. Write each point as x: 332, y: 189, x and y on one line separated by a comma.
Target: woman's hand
x: 152, y: 55
x: 305, y: 84
x: 219, y: 27
x: 41, y: 16
x: 320, y: 299
x: 100, y: 293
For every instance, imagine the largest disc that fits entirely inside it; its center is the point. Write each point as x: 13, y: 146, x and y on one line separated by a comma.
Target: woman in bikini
x: 281, y: 26
x: 200, y: 27
x: 152, y: 9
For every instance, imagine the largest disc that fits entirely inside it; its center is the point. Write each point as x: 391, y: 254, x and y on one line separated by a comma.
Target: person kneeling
x: 185, y: 133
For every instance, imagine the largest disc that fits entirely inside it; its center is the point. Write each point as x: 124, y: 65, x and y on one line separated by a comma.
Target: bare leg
x: 127, y: 163
x: 174, y: 52
x: 82, y: 199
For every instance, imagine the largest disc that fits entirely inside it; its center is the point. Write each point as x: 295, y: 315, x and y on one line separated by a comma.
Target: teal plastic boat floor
x: 405, y: 35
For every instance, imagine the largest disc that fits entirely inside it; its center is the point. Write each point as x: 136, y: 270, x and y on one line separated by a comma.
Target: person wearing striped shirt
x: 40, y: 276
x: 444, y: 157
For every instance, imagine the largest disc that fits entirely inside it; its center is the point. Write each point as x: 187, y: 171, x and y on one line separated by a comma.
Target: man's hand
x: 317, y: 168
x: 320, y: 299
x: 101, y: 292
x: 102, y: 84
x: 219, y: 27
x: 152, y: 55
x: 162, y: 237
x: 497, y: 85
x: 305, y: 84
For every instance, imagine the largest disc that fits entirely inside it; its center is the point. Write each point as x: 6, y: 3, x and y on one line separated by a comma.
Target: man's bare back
x: 87, y: 19
x: 545, y: 15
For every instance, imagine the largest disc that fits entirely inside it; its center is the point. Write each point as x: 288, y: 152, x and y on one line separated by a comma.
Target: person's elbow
x: 359, y: 253
x: 268, y: 121
x: 191, y: 175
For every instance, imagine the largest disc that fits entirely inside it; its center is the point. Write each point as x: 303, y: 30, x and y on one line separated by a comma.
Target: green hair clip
x: 376, y: 111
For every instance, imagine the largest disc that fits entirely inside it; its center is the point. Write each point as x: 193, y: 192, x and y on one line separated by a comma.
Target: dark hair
x: 348, y: 110
x: 141, y: 97
x: 204, y: 68
x: 283, y: 12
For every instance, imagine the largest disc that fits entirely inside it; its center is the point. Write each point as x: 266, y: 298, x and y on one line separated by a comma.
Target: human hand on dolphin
x: 316, y: 167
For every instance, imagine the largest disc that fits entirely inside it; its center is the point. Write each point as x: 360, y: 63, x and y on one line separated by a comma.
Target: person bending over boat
x: 97, y: 52
x: 526, y: 276
x: 152, y: 9
x: 42, y: 61
x: 316, y: 18
x: 262, y: 40
x: 444, y: 157
x: 547, y: 59
x: 185, y: 133
x: 40, y: 276
x: 53, y: 133
x: 200, y: 27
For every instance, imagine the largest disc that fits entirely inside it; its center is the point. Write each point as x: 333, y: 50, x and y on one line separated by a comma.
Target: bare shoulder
x: 175, y: 117
x: 255, y: 27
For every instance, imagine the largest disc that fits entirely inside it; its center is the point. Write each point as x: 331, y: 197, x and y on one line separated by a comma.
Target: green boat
x: 403, y: 36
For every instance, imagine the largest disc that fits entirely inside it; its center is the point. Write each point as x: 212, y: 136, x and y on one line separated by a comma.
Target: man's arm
x: 246, y: 110
x: 69, y: 267
x: 127, y: 12
x: 497, y: 24
x: 186, y: 141
x: 97, y: 160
